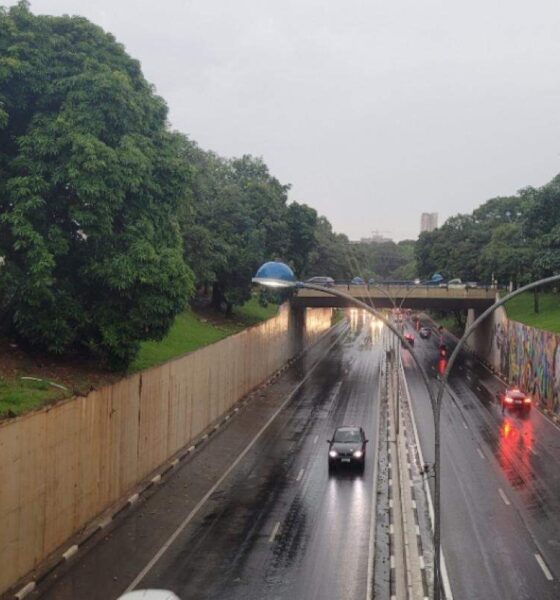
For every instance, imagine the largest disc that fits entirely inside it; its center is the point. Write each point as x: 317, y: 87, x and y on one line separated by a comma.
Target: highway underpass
x: 254, y: 514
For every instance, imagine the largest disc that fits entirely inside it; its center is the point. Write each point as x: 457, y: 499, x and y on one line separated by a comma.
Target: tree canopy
x: 90, y: 185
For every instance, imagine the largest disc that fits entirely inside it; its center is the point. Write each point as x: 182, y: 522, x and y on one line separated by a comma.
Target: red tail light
x: 527, y: 400
x: 509, y: 400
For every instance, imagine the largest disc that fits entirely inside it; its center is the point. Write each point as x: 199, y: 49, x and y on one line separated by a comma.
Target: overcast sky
x: 374, y: 111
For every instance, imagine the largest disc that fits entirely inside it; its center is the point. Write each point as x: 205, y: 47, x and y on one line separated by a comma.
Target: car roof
x: 515, y: 393
x: 348, y: 428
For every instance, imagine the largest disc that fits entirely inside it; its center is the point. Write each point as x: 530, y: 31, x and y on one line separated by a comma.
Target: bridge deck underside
x: 413, y: 298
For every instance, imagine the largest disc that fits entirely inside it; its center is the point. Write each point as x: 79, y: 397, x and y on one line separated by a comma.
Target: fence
x: 63, y: 465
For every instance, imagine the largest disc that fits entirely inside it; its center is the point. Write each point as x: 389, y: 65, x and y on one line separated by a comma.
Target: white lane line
x: 300, y: 475
x: 391, y: 529
x: 480, y: 453
x: 543, y: 566
x: 504, y: 497
x: 373, y: 508
x: 479, y: 388
x: 534, y: 452
x: 444, y: 576
x: 315, y: 439
x: 461, y: 367
x: 274, y: 532
x: 465, y: 425
x: 390, y: 483
x: 469, y: 377
x: 417, y: 529
x: 421, y: 559
x: 392, y: 561
x: 218, y: 483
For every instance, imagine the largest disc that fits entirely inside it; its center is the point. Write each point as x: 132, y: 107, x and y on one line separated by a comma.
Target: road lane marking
x: 391, y: 529
x: 543, y: 566
x: 373, y: 508
x: 274, y: 532
x: 417, y: 529
x: 300, y: 475
x: 443, y: 566
x: 469, y: 377
x: 233, y: 465
x: 421, y: 559
x: 465, y: 425
x: 479, y: 388
x: 480, y: 453
x: 315, y: 439
x: 504, y: 497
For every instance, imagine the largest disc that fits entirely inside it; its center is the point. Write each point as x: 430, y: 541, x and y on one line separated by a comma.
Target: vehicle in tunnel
x: 347, y: 448
x: 409, y: 337
x: 425, y: 333
x: 514, y: 399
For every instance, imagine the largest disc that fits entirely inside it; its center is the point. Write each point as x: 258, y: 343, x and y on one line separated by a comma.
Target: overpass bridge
x: 415, y: 297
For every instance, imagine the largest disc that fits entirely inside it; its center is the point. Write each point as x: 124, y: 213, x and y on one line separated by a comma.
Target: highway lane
x: 277, y: 526
x: 281, y: 527
x: 500, y: 487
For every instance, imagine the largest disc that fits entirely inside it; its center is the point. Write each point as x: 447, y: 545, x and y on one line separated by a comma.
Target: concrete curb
x: 156, y: 478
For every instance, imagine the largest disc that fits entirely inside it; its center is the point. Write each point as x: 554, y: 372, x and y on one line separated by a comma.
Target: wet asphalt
x: 500, y: 481
x: 278, y: 526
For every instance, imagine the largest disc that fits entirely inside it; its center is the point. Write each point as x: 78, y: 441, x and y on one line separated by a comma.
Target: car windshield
x: 347, y: 435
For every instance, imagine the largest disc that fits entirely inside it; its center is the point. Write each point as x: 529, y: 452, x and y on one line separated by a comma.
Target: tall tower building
x: 428, y: 222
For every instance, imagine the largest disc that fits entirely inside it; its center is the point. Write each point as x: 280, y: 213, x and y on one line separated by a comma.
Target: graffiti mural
x: 530, y: 358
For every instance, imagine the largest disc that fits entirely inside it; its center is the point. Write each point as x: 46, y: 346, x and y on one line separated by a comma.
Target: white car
x: 456, y: 284
x: 149, y: 595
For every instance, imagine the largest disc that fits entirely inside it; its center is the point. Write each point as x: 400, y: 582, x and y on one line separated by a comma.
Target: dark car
x: 409, y: 337
x: 347, y: 447
x: 358, y: 281
x: 425, y: 333
x: 514, y: 399
x: 324, y: 281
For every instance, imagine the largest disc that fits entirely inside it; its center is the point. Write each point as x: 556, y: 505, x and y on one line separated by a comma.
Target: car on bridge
x: 514, y: 399
x: 358, y: 281
x: 321, y: 280
x: 347, y: 448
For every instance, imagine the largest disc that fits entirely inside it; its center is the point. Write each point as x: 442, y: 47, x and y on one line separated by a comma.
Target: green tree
x: 90, y: 184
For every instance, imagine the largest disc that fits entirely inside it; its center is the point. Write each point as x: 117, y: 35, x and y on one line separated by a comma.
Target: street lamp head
x: 275, y: 274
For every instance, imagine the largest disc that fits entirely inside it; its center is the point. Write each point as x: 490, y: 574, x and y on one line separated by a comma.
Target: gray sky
x: 373, y: 110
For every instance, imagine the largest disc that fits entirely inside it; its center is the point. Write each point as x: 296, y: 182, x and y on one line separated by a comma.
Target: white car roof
x: 149, y: 595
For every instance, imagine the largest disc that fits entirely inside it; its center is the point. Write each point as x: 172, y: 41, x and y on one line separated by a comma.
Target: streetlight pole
x: 275, y: 274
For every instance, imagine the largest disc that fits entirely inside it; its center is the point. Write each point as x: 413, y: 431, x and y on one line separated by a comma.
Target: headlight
x: 358, y: 454
x: 333, y: 453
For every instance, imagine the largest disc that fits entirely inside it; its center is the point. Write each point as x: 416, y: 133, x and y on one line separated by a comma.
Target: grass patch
x: 19, y: 395
x: 190, y: 332
x: 521, y: 309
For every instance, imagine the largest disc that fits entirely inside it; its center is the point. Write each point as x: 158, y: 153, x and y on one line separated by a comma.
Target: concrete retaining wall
x: 62, y: 466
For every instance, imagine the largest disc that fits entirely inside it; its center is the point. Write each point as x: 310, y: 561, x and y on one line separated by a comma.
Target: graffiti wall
x: 530, y: 358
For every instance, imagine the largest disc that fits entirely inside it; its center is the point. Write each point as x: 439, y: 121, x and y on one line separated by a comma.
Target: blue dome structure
x: 275, y: 274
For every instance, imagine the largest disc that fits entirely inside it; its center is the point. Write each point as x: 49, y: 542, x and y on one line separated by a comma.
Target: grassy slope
x: 548, y: 318
x: 187, y: 334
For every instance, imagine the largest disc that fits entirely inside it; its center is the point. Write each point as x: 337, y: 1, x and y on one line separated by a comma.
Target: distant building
x: 428, y: 222
x: 376, y: 238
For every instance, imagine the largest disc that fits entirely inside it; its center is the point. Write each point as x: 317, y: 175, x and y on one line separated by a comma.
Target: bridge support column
x: 297, y: 328
x: 485, y: 338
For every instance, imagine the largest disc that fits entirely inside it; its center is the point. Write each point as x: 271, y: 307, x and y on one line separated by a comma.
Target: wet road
x: 500, y: 484
x: 278, y: 526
